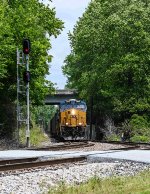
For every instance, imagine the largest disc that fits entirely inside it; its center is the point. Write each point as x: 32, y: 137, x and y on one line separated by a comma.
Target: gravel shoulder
x: 38, y: 181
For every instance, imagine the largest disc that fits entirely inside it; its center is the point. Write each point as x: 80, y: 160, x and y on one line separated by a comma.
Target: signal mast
x: 23, y: 88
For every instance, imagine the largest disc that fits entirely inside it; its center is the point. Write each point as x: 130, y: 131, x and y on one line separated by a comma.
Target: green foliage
x: 110, y: 57
x: 44, y: 113
x: 19, y: 20
x: 115, y: 185
x: 140, y: 128
x: 140, y: 138
x: 5, y: 40
x: 36, y: 21
x: 113, y: 137
x: 139, y: 122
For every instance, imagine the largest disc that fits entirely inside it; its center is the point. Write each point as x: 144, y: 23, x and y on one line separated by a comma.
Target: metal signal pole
x: 26, y: 77
x: 28, y: 105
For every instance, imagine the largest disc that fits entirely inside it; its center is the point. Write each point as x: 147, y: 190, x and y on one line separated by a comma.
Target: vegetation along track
x: 28, y: 163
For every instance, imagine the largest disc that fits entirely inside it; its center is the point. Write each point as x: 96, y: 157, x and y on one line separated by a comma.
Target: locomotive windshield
x: 80, y: 105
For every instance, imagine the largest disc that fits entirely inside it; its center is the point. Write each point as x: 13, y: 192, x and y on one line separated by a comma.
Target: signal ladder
x: 21, y: 92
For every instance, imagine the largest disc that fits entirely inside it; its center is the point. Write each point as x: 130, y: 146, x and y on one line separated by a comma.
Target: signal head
x: 26, y: 46
x: 26, y: 76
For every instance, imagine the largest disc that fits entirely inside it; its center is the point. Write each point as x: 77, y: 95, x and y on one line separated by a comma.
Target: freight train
x: 71, y: 119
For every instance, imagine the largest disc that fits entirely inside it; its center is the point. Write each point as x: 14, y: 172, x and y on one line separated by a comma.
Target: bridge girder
x: 60, y: 96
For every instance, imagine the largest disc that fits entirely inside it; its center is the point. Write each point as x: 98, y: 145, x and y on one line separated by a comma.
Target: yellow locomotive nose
x: 73, y: 112
x: 73, y: 118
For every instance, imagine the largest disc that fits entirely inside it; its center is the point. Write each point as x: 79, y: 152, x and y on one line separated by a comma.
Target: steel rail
x: 134, y: 147
x: 124, y: 143
x: 35, y: 164
x: 65, y: 146
x: 17, y: 160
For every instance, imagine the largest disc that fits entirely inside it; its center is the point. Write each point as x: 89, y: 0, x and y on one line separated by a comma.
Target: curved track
x: 132, y: 145
x: 64, y: 146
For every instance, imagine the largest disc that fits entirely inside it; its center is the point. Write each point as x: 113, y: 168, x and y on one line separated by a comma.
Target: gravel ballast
x: 38, y: 181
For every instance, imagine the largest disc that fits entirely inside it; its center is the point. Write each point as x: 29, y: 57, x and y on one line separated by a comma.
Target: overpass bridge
x: 60, y: 95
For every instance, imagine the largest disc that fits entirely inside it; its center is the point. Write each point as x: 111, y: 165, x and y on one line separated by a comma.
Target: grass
x: 139, y: 184
x: 36, y: 136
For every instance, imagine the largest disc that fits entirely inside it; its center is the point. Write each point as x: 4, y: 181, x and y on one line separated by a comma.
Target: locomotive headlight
x: 73, y: 112
x: 66, y: 123
x: 80, y: 123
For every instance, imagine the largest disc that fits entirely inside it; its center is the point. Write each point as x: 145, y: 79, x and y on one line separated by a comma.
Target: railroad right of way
x: 71, y: 166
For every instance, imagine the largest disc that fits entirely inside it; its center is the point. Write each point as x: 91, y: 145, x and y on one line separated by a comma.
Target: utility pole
x: 91, y: 116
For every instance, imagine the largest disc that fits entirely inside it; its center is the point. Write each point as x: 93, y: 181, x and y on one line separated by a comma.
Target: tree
x: 5, y: 40
x: 37, y: 22
x: 43, y: 113
x: 19, y: 20
x: 110, y: 57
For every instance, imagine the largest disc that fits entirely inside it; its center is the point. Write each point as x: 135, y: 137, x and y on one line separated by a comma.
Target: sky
x: 68, y: 11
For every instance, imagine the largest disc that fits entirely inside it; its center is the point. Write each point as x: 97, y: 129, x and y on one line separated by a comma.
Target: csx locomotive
x: 72, y: 118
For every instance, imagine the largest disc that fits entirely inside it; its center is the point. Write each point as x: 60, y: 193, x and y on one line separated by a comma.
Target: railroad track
x: 130, y: 145
x: 65, y: 146
x: 111, y: 142
x: 28, y: 163
x: 125, y: 143
x: 77, y: 144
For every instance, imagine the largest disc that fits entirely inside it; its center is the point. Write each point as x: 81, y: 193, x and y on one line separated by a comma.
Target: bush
x: 36, y: 136
x: 140, y: 138
x: 113, y: 137
x: 140, y: 128
x: 139, y: 122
